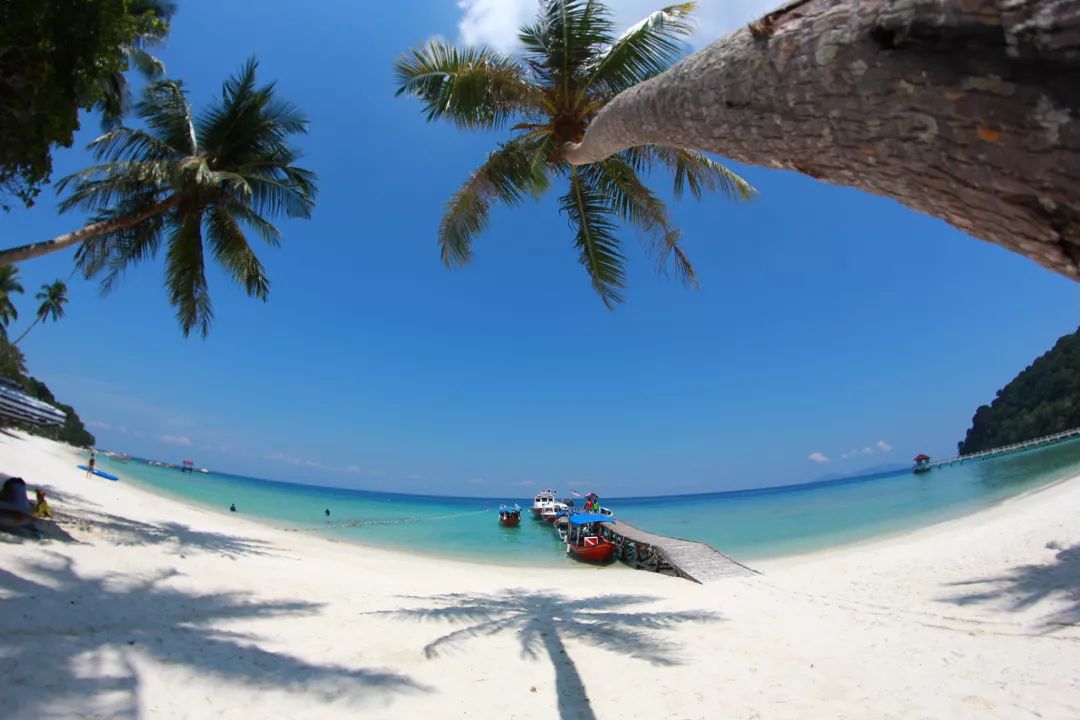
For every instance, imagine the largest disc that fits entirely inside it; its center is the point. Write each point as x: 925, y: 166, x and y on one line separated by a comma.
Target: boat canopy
x: 586, y: 518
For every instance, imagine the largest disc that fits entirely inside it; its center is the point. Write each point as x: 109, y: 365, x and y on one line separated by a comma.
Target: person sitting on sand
x: 41, y: 507
x: 13, y: 495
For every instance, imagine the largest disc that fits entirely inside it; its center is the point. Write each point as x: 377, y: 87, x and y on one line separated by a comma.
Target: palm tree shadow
x: 70, y: 640
x: 544, y: 620
x: 1026, y: 586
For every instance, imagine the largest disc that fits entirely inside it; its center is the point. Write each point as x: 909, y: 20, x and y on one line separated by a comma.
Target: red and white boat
x: 585, y: 542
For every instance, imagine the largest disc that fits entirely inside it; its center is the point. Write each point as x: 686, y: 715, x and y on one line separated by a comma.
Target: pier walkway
x: 1005, y: 449
x: 688, y: 559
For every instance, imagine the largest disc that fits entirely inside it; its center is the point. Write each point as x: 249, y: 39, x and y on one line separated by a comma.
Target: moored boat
x: 551, y: 512
x: 542, y: 501
x: 584, y: 540
x: 509, y: 516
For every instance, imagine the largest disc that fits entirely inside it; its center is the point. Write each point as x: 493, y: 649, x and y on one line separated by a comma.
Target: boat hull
x: 602, y: 552
x: 512, y: 521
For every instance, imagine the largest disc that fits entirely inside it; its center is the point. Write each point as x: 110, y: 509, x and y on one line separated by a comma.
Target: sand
x: 153, y: 608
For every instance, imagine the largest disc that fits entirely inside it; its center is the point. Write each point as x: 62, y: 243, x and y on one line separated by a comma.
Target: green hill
x: 1043, y: 399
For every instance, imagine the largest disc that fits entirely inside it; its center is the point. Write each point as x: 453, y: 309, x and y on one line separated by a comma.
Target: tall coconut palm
x: 53, y: 298
x: 572, y: 65
x: 151, y: 18
x: 9, y: 285
x: 193, y: 184
x: 812, y: 87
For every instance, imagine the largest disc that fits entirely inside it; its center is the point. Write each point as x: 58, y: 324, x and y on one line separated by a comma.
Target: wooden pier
x: 688, y: 559
x: 1006, y: 449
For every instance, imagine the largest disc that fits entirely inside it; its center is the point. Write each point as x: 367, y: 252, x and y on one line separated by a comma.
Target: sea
x: 746, y: 524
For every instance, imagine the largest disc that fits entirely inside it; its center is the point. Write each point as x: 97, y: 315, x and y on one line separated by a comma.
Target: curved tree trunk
x: 33, y: 250
x: 26, y: 332
x: 968, y: 110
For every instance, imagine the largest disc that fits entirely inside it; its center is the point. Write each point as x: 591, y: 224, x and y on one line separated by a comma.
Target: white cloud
x: 182, y: 440
x: 313, y: 464
x: 496, y: 22
x: 98, y: 425
x: 867, y: 451
x: 817, y: 457
x: 279, y: 457
x: 355, y: 469
x: 884, y: 446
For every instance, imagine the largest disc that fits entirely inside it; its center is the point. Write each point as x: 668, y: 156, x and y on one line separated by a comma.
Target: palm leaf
x: 107, y: 256
x: 185, y: 276
x: 473, y: 87
x: 645, y: 50
x: 589, y: 211
x: 697, y: 172
x: 509, y: 173
x: 231, y: 249
x: 616, y: 178
x: 165, y: 110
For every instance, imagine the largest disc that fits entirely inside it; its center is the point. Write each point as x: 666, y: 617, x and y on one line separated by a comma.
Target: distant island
x: 1043, y: 399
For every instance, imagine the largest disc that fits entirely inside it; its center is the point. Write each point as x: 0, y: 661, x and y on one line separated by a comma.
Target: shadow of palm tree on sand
x: 1026, y: 586
x: 544, y: 620
x: 69, y: 644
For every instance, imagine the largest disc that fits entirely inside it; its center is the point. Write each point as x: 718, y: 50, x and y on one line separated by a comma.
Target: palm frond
x: 99, y: 187
x: 509, y: 173
x: 563, y: 41
x: 107, y: 256
x: 232, y: 250
x: 472, y: 87
x: 165, y: 110
x: 262, y: 227
x: 697, y: 173
x: 185, y: 276
x: 647, y: 49
x: 617, y: 179
x: 589, y: 213
x: 149, y: 66
x: 124, y: 143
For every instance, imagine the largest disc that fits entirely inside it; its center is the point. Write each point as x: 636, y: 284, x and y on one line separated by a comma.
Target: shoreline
x: 154, y: 608
x: 783, y: 559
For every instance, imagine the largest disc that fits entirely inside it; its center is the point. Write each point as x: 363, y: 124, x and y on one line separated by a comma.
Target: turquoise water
x: 746, y: 524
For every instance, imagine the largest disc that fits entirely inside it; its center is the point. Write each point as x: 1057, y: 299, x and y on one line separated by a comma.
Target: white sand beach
x: 155, y: 609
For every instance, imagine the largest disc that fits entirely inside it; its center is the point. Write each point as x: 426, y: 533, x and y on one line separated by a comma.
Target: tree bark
x: 33, y: 250
x: 968, y: 110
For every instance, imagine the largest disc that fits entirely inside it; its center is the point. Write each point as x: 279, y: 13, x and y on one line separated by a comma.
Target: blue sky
x: 827, y: 321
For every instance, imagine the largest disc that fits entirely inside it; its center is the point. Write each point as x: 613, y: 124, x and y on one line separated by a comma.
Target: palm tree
x: 152, y: 18
x: 9, y: 284
x: 187, y: 182
x: 811, y: 87
x: 53, y: 298
x: 572, y: 66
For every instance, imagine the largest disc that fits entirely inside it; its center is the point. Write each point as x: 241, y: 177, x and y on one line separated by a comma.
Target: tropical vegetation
x: 571, y: 65
x: 195, y: 185
x: 57, y: 58
x: 1043, y: 399
x: 13, y: 368
x: 9, y: 285
x: 53, y: 297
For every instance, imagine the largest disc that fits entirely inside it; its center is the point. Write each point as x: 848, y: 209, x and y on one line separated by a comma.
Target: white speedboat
x: 543, y: 500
